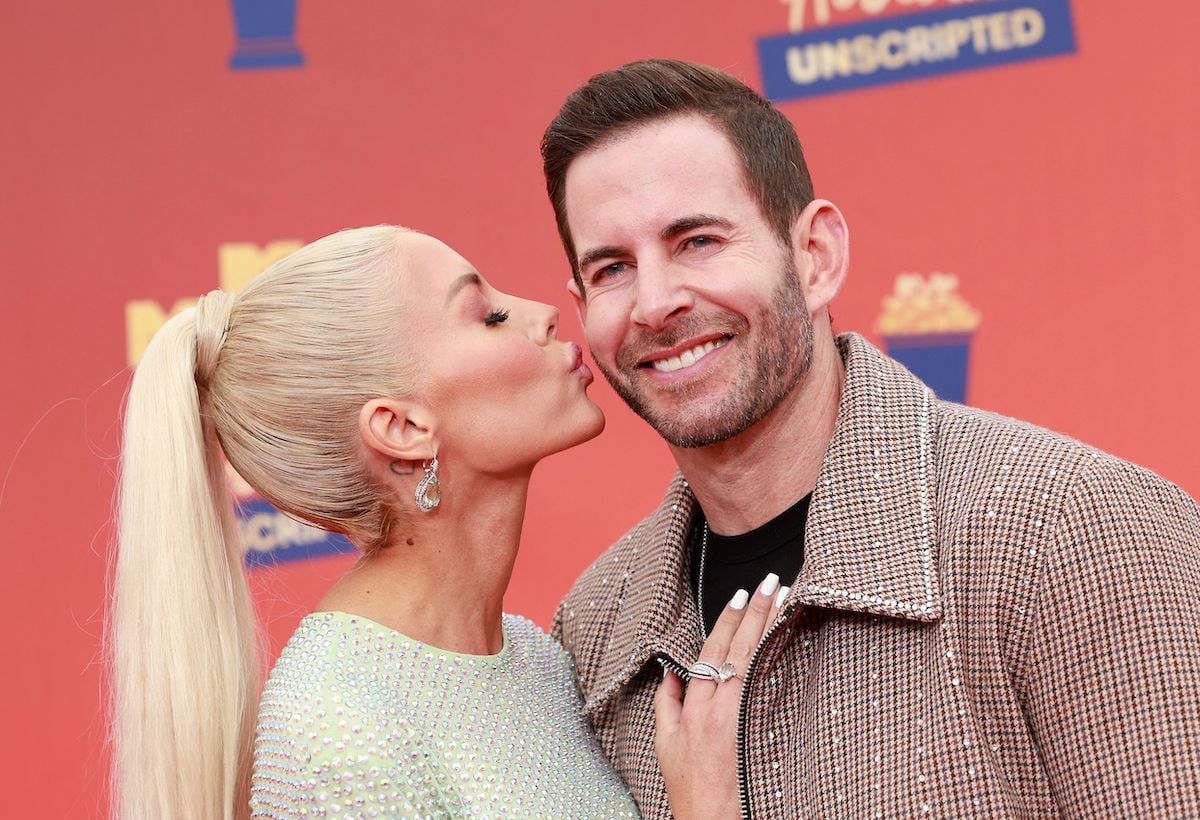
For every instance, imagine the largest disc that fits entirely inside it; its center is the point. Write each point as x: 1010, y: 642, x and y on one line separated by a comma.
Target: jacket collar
x: 870, y: 542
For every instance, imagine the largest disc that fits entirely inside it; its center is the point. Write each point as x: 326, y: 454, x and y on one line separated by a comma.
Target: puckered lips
x: 577, y: 364
x: 684, y: 357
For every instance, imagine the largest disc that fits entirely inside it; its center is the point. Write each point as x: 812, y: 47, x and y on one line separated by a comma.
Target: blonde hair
x: 274, y: 379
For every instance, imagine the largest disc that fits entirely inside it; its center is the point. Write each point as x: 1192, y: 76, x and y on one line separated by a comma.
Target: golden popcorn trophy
x: 927, y: 327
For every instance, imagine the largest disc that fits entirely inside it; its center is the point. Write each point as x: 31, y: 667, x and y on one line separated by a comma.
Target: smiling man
x: 983, y: 618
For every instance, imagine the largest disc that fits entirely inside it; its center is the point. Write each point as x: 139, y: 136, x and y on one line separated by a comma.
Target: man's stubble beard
x: 769, y: 373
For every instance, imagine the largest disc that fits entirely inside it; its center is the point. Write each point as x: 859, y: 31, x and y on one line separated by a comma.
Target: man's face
x: 691, y: 304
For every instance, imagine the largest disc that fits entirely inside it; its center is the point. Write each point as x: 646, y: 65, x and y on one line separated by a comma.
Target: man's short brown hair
x: 647, y: 90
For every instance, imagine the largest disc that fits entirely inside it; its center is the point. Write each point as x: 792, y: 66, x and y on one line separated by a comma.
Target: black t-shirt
x: 734, y: 562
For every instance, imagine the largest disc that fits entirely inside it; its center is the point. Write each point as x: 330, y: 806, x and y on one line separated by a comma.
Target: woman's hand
x: 696, y: 733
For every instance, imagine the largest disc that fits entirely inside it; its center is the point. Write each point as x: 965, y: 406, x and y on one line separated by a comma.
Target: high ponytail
x: 184, y: 639
x: 272, y: 379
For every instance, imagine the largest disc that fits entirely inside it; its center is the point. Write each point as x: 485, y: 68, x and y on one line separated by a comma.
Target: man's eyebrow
x: 688, y: 223
x: 681, y: 225
x: 461, y: 282
x: 604, y: 252
x: 677, y: 227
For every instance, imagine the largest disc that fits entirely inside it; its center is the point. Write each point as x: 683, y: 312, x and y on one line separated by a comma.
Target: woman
x: 373, y: 384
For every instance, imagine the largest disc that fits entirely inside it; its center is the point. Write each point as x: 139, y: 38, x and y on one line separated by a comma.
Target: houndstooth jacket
x: 991, y: 620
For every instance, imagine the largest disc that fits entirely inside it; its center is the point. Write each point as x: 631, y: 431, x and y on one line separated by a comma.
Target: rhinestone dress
x: 358, y: 720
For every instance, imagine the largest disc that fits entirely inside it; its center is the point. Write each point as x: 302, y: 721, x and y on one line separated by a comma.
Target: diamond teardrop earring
x: 429, y: 493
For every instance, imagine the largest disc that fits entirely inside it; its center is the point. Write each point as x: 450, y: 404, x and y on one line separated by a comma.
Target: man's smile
x: 684, y: 354
x: 669, y: 364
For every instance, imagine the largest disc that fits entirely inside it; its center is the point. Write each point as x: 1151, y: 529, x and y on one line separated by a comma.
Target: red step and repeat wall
x: 1022, y: 179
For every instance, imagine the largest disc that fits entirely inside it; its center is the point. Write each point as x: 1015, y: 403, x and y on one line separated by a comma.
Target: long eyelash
x: 497, y: 316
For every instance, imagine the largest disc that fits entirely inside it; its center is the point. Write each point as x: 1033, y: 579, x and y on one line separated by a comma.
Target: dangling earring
x: 429, y: 493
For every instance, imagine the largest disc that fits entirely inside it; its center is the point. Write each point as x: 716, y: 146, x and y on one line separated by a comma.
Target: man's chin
x: 686, y: 422
x: 692, y: 436
x: 689, y: 427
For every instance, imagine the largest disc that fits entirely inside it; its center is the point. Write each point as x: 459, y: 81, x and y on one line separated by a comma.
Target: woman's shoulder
x: 338, y: 659
x: 333, y: 710
x: 310, y: 660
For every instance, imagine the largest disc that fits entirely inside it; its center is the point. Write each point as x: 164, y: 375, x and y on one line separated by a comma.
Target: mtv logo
x: 266, y: 33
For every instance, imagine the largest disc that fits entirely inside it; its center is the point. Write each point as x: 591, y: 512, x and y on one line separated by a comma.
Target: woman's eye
x: 497, y: 316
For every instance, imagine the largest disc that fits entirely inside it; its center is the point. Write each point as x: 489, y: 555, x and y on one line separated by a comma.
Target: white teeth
x: 688, y: 357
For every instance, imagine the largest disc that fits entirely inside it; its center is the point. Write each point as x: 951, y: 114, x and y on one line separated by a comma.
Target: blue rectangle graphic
x: 270, y: 537
x: 909, y: 46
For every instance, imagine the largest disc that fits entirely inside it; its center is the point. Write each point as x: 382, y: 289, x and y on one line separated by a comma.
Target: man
x: 986, y: 618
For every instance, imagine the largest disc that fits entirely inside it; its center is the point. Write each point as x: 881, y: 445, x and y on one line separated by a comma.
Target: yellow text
x: 821, y: 11
x: 237, y: 265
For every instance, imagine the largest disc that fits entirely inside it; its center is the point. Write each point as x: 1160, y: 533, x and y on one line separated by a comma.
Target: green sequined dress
x: 358, y: 720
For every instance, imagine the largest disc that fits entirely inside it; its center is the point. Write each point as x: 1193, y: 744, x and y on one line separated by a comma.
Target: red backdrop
x: 1063, y: 192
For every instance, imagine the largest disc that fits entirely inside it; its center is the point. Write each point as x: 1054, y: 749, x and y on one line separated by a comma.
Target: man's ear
x: 397, y: 430
x: 821, y: 252
x: 579, y: 300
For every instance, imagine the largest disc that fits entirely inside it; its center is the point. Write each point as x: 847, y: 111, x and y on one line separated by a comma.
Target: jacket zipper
x: 667, y: 662
x: 743, y: 774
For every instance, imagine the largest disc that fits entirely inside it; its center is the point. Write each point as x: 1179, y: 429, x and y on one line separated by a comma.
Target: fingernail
x: 769, y: 584
x: 739, y: 599
x: 783, y: 591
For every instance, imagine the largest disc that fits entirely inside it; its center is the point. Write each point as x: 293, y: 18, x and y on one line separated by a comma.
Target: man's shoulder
x: 619, y: 582
x: 987, y: 436
x: 994, y: 443
x: 600, y: 581
x: 1003, y: 456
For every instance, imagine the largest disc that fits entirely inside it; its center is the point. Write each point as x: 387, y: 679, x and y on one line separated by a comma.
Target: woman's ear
x: 397, y: 430
x: 821, y: 252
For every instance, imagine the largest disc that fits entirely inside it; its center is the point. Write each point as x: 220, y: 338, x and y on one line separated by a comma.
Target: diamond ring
x: 704, y: 670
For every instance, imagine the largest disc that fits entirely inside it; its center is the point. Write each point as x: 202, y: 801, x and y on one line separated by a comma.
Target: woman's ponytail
x: 281, y: 372
x: 185, y: 650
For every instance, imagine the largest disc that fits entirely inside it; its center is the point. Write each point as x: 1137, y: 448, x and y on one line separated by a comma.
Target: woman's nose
x: 545, y: 324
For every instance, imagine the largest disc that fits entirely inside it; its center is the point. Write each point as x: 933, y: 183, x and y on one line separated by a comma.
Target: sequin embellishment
x: 359, y: 721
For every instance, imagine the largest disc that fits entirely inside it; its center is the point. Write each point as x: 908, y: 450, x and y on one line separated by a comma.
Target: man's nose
x: 658, y: 296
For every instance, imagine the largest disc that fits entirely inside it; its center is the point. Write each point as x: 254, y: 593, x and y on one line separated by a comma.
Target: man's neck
x: 744, y: 482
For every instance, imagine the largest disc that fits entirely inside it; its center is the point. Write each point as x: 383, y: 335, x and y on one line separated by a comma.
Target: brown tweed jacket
x: 992, y: 620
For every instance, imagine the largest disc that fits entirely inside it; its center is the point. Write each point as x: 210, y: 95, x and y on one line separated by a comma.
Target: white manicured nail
x: 739, y: 599
x: 783, y: 591
x: 769, y: 584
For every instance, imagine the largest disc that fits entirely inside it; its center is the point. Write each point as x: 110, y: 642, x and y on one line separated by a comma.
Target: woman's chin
x: 591, y: 424
x: 598, y: 422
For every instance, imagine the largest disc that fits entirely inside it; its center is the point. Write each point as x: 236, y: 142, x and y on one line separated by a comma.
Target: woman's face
x: 503, y: 389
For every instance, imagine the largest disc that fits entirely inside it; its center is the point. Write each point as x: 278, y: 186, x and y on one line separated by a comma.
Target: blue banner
x: 910, y: 46
x: 270, y: 537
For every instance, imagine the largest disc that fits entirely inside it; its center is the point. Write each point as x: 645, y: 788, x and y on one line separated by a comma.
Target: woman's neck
x: 441, y: 579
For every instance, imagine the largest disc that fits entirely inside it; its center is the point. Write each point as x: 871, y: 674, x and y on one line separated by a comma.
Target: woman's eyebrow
x: 461, y: 282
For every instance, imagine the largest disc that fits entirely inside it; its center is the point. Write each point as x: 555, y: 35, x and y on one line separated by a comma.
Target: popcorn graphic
x: 927, y: 326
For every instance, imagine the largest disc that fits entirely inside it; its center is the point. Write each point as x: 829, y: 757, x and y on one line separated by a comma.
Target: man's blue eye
x: 497, y: 316
x: 609, y: 270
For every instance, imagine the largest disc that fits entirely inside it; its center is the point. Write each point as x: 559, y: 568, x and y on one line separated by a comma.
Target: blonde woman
x: 373, y: 384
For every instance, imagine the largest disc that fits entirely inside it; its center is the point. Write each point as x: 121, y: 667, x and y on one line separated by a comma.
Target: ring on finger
x: 703, y: 670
